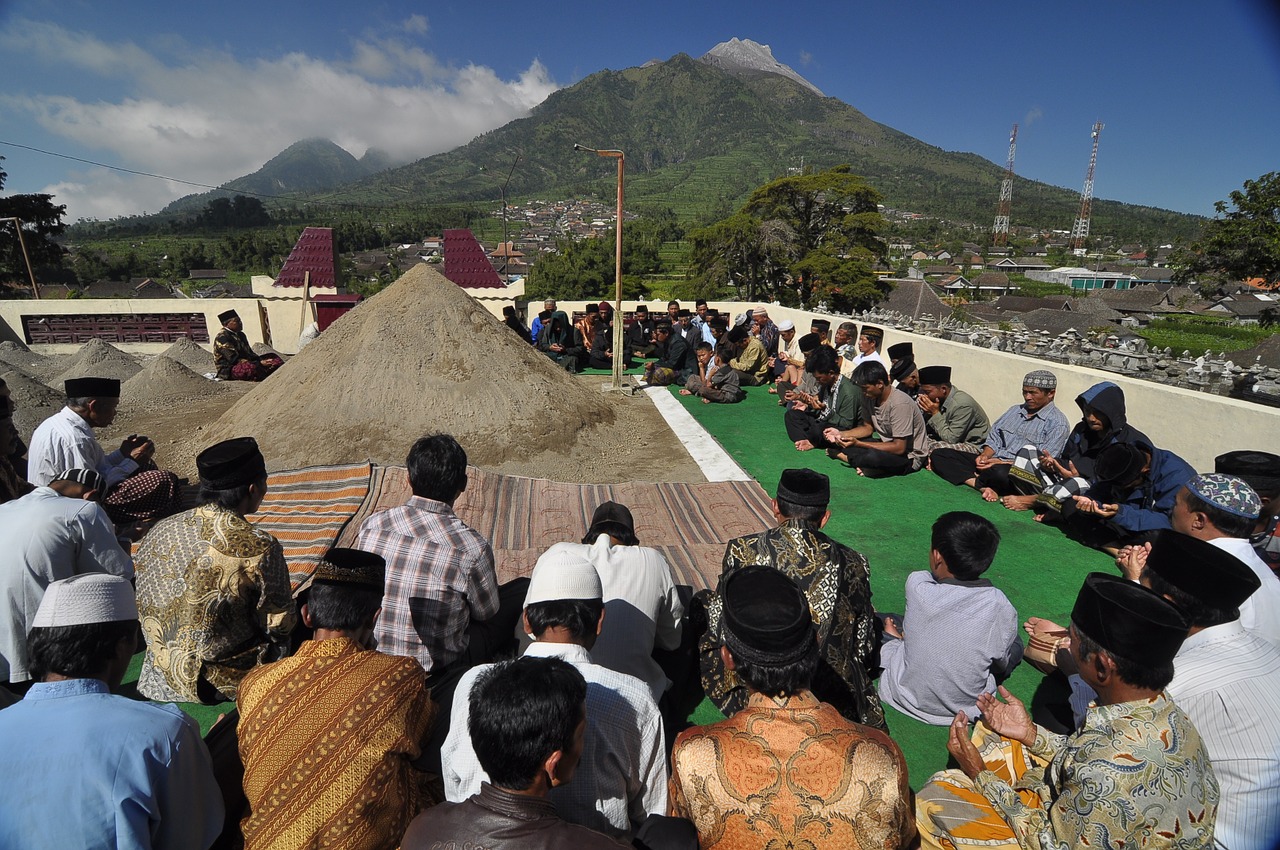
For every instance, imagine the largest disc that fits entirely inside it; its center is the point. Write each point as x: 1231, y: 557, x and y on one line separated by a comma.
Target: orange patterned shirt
x: 791, y: 773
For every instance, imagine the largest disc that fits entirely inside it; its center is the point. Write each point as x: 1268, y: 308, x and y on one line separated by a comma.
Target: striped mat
x: 521, y: 517
x: 307, y: 509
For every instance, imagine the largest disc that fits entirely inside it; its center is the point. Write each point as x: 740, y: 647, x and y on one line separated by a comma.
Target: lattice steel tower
x: 1000, y: 230
x: 1080, y: 230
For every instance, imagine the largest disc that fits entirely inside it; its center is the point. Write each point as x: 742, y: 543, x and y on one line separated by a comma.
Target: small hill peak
x: 743, y: 54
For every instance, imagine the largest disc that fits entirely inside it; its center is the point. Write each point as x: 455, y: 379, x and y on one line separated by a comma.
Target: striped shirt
x: 1046, y: 429
x: 1227, y: 680
x: 440, y: 577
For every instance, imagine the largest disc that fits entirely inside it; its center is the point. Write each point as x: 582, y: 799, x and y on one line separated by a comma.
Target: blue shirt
x: 1046, y: 429
x: 82, y: 768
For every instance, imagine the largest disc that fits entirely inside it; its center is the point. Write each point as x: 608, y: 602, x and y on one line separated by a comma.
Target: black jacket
x: 496, y: 819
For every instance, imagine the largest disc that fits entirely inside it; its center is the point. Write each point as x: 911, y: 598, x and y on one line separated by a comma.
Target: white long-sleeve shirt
x: 65, y: 441
x: 1260, y: 613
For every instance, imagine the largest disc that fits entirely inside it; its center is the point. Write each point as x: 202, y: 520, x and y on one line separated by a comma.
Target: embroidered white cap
x: 84, y: 599
x: 560, y: 574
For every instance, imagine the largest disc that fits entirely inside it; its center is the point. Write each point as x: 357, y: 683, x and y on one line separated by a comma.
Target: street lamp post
x: 506, y: 246
x: 618, y: 354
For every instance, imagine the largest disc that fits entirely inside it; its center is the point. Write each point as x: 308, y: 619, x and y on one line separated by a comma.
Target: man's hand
x: 1008, y: 718
x: 961, y: 747
x: 1132, y: 559
x: 927, y: 405
x: 891, y: 628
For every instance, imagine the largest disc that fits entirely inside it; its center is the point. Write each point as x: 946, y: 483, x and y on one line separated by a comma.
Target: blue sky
x: 1189, y: 91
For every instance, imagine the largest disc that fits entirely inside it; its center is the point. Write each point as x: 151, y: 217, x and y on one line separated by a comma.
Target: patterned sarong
x: 248, y: 370
x: 1029, y: 476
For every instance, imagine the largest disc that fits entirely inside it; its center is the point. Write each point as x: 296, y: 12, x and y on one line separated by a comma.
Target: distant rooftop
x: 466, y: 263
x: 316, y: 253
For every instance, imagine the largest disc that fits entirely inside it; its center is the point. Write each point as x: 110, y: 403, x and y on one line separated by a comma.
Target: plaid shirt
x: 440, y: 576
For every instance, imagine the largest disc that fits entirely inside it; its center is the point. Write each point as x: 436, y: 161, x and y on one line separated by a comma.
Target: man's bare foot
x: 773, y: 390
x: 989, y: 494
x: 803, y: 445
x: 860, y: 472
x: 1039, y: 517
x: 1019, y: 503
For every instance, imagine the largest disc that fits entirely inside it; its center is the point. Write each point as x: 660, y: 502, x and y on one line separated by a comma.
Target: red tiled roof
x: 314, y: 252
x: 465, y: 262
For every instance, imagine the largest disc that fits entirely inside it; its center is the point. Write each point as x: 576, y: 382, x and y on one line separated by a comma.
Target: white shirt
x: 1260, y: 613
x: 65, y: 441
x: 622, y: 778
x: 47, y: 537
x: 1227, y: 680
x: 875, y: 355
x: 641, y: 608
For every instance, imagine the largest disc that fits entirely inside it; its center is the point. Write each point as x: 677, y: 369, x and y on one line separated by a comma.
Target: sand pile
x: 165, y: 381
x: 35, y: 365
x: 420, y: 357
x: 34, y: 402
x: 190, y: 354
x: 98, y: 359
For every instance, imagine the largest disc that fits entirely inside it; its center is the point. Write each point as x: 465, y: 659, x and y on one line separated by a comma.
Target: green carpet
x: 205, y: 715
x: 889, y: 521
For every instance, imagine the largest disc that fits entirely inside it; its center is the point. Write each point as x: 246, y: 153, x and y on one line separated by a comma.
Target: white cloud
x: 805, y: 57
x: 415, y: 24
x: 209, y: 117
x: 1034, y: 115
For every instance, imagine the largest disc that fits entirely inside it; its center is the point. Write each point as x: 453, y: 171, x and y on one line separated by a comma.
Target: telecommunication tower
x: 1000, y: 231
x: 1080, y: 230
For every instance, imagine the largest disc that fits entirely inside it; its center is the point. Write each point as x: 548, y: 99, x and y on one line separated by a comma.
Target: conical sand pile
x: 420, y: 357
x: 165, y: 381
x: 33, y: 401
x: 36, y: 365
x: 98, y: 359
x: 191, y: 355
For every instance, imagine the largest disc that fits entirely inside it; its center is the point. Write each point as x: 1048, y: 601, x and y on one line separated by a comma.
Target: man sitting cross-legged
x: 715, y: 379
x: 1037, y: 422
x: 904, y: 443
x: 837, y: 404
x: 750, y: 358
x: 369, y: 712
x: 1137, y: 774
x: 672, y: 354
x: 808, y: 776
x: 954, y: 419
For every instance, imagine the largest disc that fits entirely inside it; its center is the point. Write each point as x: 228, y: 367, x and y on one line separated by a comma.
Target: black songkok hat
x: 92, y: 388
x: 935, y: 375
x: 872, y: 332
x: 823, y: 325
x: 1129, y: 620
x: 721, y: 322
x: 228, y: 316
x: 766, y: 617
x: 1260, y: 470
x: 612, y: 516
x: 901, y: 351
x: 641, y: 308
x: 1201, y: 570
x: 903, y: 368
x: 683, y: 313
x: 1118, y: 463
x: 809, y: 342
x: 738, y: 334
x: 712, y: 312
x: 231, y: 463
x: 805, y: 487
x: 593, y: 308
x: 351, y: 567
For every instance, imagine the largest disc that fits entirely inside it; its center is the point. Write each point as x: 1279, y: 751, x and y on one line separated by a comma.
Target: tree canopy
x: 41, y: 222
x: 1243, y: 242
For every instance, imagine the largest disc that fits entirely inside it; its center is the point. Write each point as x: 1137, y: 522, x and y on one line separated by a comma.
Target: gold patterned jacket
x: 214, y: 600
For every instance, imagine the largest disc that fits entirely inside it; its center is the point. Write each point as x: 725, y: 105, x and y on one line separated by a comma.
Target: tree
x: 41, y: 222
x: 1241, y: 243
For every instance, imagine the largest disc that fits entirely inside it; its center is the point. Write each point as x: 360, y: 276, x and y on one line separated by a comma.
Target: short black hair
x: 437, y: 468
x: 1229, y: 524
x: 1198, y: 613
x: 967, y: 542
x: 230, y: 497
x: 870, y: 372
x: 521, y: 712
x: 807, y: 513
x: 781, y: 680
x: 1151, y: 677
x: 579, y: 616
x: 77, y: 652
x: 705, y: 346
x: 821, y: 359
x: 343, y: 607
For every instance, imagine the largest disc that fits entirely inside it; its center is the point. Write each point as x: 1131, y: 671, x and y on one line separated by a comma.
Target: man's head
x: 233, y: 475
x: 1207, y: 583
x: 846, y: 333
x: 705, y: 350
x: 906, y: 374
x: 869, y: 340
x: 724, y: 353
x: 85, y: 628
x: 593, y: 310
x: 96, y: 400
x: 662, y: 331
x: 565, y: 601
x: 768, y: 631
x: 966, y: 544
x: 685, y: 317
x: 345, y: 594
x: 437, y: 468
x: 700, y: 307
x: 803, y: 495
x: 1215, y: 505
x: 874, y: 380
x: 935, y: 382
x: 86, y: 484
x: 1260, y: 470
x: 1038, y: 389
x: 1123, y: 633
x: 760, y: 316
x: 673, y: 307
x: 738, y: 337
x: 549, y: 305
x: 822, y: 363
x: 900, y: 351
x: 642, y: 313
x: 528, y: 720
x: 822, y: 327
x: 614, y: 520
x: 787, y: 330
x: 1122, y: 465
x: 231, y: 320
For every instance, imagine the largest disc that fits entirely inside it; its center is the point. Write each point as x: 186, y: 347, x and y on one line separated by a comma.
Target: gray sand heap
x: 33, y: 401
x: 420, y: 357
x: 98, y: 359
x: 166, y: 382
x: 37, y: 366
x: 190, y: 354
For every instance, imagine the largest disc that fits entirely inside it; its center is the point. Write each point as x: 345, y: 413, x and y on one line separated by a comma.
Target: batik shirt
x: 214, y: 600
x: 327, y: 737
x: 1136, y: 775
x: 790, y: 773
x: 229, y: 348
x: 837, y: 582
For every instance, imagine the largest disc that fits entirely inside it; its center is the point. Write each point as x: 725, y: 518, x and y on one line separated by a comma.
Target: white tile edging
x: 712, y: 459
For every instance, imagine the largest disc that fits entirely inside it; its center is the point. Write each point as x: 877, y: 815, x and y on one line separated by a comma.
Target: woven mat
x: 521, y: 517
x: 307, y: 509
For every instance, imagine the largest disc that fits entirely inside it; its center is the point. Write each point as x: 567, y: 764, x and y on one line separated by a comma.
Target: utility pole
x: 1080, y: 230
x: 1000, y: 230
x: 31, y: 275
x: 506, y: 246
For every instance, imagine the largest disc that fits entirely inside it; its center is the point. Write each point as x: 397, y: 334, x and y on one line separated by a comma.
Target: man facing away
x: 81, y: 767
x: 809, y: 777
x: 329, y: 736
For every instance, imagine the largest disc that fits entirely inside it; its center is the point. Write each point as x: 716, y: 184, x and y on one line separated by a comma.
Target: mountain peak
x: 743, y: 54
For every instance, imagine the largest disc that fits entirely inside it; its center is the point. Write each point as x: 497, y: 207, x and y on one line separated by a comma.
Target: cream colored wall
x: 11, y: 313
